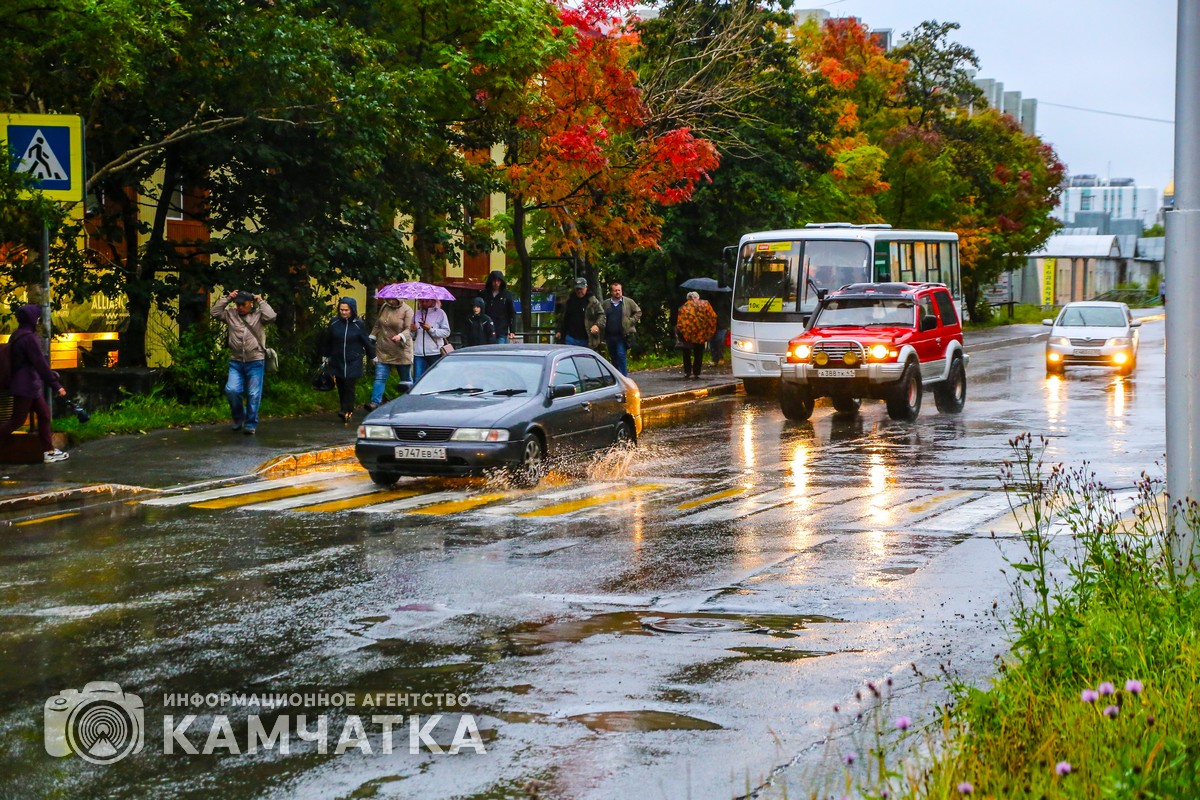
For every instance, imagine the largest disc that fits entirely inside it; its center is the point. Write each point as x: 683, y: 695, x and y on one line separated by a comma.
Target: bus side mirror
x: 728, y: 256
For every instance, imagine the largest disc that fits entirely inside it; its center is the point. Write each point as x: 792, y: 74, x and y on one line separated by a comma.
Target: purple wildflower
x: 1111, y: 712
x: 1106, y: 689
x: 1089, y: 696
x: 1133, y: 686
x: 903, y: 723
x: 965, y: 788
x: 848, y: 758
x: 1063, y: 768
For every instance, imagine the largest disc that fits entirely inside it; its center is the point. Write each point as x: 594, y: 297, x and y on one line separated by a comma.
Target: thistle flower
x: 1111, y: 712
x: 903, y: 723
x: 1063, y: 768
x: 1089, y: 696
x: 965, y: 788
x: 1133, y: 686
x: 848, y: 758
x: 1105, y: 689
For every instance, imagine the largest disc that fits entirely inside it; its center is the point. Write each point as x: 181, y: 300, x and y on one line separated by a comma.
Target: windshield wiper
x: 459, y: 390
x: 510, y: 392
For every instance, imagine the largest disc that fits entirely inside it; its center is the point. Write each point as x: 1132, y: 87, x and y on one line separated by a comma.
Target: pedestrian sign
x: 48, y: 148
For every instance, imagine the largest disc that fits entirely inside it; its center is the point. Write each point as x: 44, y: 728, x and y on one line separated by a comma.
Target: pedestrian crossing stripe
x: 370, y: 498
x: 558, y: 509
x: 188, y: 498
x: 458, y: 506
x: 257, y: 497
x: 712, y: 498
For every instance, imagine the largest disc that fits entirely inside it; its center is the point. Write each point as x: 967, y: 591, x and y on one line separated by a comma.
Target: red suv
x: 879, y: 340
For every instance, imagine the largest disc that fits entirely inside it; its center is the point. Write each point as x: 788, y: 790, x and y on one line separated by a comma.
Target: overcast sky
x: 1108, y: 55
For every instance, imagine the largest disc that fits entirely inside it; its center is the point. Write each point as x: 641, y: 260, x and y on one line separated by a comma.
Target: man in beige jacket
x: 247, y: 353
x: 393, y: 347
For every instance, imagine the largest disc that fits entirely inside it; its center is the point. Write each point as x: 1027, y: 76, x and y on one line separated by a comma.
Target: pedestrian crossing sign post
x: 48, y: 148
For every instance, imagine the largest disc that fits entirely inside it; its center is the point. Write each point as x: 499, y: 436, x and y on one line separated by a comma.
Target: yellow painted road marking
x: 360, y: 501
x: 40, y: 520
x: 922, y: 506
x: 712, y: 498
x: 258, y: 497
x: 455, y: 506
x: 596, y: 500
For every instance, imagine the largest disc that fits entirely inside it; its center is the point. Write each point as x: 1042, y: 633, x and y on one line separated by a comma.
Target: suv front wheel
x: 904, y: 403
x: 796, y: 402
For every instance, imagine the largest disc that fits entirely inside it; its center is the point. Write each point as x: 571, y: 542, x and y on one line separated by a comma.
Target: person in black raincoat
x: 479, y: 328
x: 347, y: 340
x: 498, y: 304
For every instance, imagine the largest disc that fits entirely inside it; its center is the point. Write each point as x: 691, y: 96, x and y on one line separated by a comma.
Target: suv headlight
x: 802, y: 352
x: 375, y: 432
x: 480, y: 435
x: 1120, y: 341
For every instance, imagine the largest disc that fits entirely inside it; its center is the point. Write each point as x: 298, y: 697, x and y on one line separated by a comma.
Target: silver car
x: 1092, y: 334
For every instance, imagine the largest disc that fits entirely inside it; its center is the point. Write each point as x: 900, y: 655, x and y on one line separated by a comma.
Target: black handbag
x: 322, y: 381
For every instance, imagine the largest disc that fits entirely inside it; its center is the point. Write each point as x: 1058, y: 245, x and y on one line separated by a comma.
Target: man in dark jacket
x: 580, y: 313
x: 29, y: 369
x: 498, y: 304
x: 346, y: 342
x: 479, y: 328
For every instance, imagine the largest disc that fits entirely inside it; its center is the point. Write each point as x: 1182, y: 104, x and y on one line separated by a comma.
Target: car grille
x: 1088, y: 342
x: 773, y: 348
x: 413, y: 434
x: 835, y: 350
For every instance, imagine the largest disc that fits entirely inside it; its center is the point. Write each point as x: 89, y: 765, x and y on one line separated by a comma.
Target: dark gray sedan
x: 501, y: 406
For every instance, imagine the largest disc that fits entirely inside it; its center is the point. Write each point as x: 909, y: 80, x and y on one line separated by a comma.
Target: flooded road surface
x: 675, y: 623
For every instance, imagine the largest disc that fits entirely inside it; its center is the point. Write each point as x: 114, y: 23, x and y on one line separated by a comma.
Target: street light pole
x: 1183, y: 271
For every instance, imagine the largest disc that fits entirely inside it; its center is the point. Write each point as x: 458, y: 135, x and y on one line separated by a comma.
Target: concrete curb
x: 689, y: 395
x: 295, y: 462
x: 113, y: 490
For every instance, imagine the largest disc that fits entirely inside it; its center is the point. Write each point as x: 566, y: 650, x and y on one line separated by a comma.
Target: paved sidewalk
x: 202, y: 453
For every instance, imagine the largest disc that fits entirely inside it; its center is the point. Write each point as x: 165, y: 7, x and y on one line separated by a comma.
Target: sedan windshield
x: 475, y: 375
x: 865, y: 312
x: 1092, y: 317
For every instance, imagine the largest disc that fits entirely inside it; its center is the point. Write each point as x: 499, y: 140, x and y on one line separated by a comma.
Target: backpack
x: 6, y: 367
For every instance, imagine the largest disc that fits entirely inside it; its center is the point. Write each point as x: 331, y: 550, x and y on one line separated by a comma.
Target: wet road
x: 678, y: 624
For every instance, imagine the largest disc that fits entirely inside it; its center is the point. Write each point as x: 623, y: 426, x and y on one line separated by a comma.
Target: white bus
x: 777, y: 273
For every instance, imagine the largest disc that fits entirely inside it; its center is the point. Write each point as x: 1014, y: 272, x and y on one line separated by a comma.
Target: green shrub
x: 199, y: 364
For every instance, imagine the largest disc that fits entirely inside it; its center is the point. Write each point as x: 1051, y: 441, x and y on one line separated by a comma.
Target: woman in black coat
x: 346, y: 342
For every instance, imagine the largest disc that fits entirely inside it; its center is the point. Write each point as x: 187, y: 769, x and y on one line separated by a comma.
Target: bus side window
x: 933, y: 271
x: 898, y: 264
x: 920, y: 266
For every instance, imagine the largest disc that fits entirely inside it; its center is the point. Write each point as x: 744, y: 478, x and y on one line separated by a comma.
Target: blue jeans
x: 382, y: 371
x: 245, y: 378
x: 569, y: 339
x: 502, y: 339
x: 616, y: 354
x: 421, y: 365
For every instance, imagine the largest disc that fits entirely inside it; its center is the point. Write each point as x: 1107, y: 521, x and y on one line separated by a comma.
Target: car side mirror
x: 403, y: 387
x: 928, y: 322
x: 1048, y: 322
x: 1137, y: 323
x: 562, y: 390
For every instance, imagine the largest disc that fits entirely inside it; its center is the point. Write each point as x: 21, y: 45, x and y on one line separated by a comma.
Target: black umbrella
x: 704, y: 285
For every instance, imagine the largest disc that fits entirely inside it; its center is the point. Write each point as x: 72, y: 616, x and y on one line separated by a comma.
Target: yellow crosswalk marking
x: 258, y: 497
x: 712, y: 498
x: 596, y: 500
x: 51, y: 518
x: 455, y: 506
x: 370, y: 499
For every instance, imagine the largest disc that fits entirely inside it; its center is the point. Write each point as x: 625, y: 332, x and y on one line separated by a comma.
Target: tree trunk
x: 132, y: 348
x: 517, y: 204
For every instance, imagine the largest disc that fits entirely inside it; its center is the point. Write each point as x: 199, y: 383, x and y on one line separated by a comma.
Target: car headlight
x: 375, y: 432
x: 802, y: 352
x: 1061, y: 341
x: 745, y: 345
x: 882, y: 352
x: 480, y: 435
x: 1120, y: 341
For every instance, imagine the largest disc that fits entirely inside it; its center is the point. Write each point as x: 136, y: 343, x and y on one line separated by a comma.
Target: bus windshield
x: 773, y: 278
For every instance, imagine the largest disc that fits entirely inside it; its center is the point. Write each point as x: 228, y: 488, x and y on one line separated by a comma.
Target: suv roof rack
x: 891, y: 287
x: 874, y: 225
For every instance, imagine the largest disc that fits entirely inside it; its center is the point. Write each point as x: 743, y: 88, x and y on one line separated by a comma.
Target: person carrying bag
x: 431, y: 329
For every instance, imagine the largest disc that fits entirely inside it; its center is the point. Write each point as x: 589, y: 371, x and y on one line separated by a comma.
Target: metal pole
x: 46, y: 306
x: 1183, y: 270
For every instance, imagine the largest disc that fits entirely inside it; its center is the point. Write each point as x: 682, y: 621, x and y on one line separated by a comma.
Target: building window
x: 1085, y: 202
x: 175, y: 205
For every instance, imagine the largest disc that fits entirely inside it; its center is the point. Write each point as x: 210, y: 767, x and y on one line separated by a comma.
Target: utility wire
x: 1108, y: 113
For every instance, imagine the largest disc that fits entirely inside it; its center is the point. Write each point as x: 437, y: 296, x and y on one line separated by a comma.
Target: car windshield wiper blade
x: 459, y: 390
x: 510, y: 392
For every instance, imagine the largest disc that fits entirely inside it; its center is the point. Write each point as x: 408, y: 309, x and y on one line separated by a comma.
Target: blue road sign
x: 48, y: 148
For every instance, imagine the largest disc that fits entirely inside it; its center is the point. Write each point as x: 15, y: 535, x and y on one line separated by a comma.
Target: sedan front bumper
x: 1103, y: 356
x: 462, y: 458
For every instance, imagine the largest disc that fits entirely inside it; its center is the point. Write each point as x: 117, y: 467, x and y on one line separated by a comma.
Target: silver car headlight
x: 480, y: 435
x: 376, y: 432
x: 1061, y: 341
x: 1120, y: 341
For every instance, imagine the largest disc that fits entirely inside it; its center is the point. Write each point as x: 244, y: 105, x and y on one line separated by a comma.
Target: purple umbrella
x: 414, y: 290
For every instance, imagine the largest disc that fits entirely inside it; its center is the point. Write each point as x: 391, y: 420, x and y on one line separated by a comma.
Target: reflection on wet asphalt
x: 674, y: 624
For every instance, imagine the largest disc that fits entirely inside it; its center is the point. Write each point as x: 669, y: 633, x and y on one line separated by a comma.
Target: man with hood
x: 29, y: 369
x: 247, y: 353
x: 346, y: 342
x: 479, y: 328
x: 498, y: 304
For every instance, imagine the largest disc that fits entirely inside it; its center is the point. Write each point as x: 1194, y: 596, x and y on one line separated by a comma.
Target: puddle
x: 728, y: 667
x: 698, y: 625
x: 778, y: 655
x: 642, y: 721
x: 898, y: 570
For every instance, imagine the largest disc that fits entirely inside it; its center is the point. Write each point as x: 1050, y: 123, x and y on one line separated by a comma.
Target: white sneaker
x: 51, y: 456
